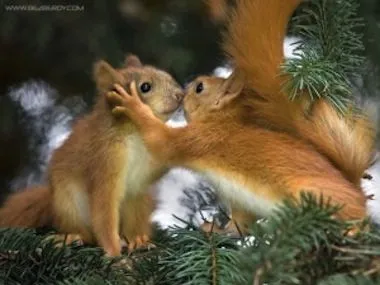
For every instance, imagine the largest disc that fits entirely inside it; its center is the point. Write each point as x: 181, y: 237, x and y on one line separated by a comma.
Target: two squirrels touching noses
x: 244, y: 135
x: 256, y: 146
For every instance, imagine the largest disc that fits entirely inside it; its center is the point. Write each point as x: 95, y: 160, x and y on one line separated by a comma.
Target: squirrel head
x: 156, y: 87
x: 209, y: 94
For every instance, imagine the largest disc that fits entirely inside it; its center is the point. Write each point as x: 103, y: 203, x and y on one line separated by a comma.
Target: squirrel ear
x: 231, y: 88
x: 132, y: 60
x: 105, y: 76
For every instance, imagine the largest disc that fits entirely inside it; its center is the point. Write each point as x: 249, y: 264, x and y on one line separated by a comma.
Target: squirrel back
x: 254, y: 42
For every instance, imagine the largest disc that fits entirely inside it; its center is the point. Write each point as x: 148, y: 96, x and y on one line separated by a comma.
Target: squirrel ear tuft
x: 132, y: 60
x: 232, y: 87
x: 105, y: 76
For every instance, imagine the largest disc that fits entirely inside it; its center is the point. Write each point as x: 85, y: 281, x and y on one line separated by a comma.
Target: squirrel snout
x: 179, y: 96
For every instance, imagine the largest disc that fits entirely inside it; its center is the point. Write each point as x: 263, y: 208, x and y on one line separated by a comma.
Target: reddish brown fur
x: 255, y: 44
x: 254, y: 41
x: 269, y: 164
x: 88, y: 174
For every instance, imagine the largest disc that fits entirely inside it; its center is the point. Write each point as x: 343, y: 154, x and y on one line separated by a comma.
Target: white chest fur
x: 237, y: 193
x: 139, y: 166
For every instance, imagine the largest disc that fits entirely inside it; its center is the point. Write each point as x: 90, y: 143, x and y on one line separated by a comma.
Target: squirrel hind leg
x: 338, y: 191
x: 136, y: 226
x: 71, y: 214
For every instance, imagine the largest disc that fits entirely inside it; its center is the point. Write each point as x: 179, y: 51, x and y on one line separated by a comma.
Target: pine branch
x: 290, y: 243
x: 302, y: 243
x: 320, y: 77
x: 88, y: 281
x: 329, y: 53
x: 195, y: 257
x: 343, y: 279
x: 28, y: 258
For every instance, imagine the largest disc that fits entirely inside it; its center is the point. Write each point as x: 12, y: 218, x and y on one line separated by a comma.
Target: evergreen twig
x: 329, y: 52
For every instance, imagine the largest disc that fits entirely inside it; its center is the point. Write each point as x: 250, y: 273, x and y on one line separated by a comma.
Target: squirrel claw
x: 124, y: 94
x: 139, y: 242
x: 114, y: 98
x: 118, y: 111
x: 66, y: 239
x: 127, y: 95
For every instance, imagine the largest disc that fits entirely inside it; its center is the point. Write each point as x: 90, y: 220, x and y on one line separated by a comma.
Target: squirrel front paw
x: 122, y: 102
x: 129, y: 105
x: 116, y: 101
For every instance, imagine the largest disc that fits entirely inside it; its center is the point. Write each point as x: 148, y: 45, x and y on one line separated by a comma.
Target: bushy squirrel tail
x: 348, y: 140
x: 30, y: 208
x: 254, y: 41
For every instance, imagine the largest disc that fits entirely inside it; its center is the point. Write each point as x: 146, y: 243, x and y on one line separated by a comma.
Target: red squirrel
x: 244, y: 134
x: 98, y: 179
x: 255, y: 46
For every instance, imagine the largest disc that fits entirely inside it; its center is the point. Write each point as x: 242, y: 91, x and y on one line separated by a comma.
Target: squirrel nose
x: 179, y: 96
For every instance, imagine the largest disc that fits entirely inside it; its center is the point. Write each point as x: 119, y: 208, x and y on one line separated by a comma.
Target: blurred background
x: 46, y: 60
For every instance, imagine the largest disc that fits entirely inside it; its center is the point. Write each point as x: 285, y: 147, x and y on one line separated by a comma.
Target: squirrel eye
x: 145, y: 87
x: 199, y: 88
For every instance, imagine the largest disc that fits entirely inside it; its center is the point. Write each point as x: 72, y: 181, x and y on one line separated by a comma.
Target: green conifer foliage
x: 301, y: 243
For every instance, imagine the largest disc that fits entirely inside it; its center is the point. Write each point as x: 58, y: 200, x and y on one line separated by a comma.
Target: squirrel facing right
x: 255, y: 145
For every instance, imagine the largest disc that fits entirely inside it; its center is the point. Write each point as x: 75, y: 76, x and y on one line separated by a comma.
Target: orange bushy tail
x: 254, y: 42
x: 347, y: 140
x: 29, y: 208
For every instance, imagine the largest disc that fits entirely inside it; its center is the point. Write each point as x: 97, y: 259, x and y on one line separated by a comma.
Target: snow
x: 290, y: 46
x: 48, y: 123
x: 371, y: 187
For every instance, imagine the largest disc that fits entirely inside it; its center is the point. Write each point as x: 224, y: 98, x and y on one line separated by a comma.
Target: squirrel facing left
x: 98, y: 179
x: 242, y: 134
